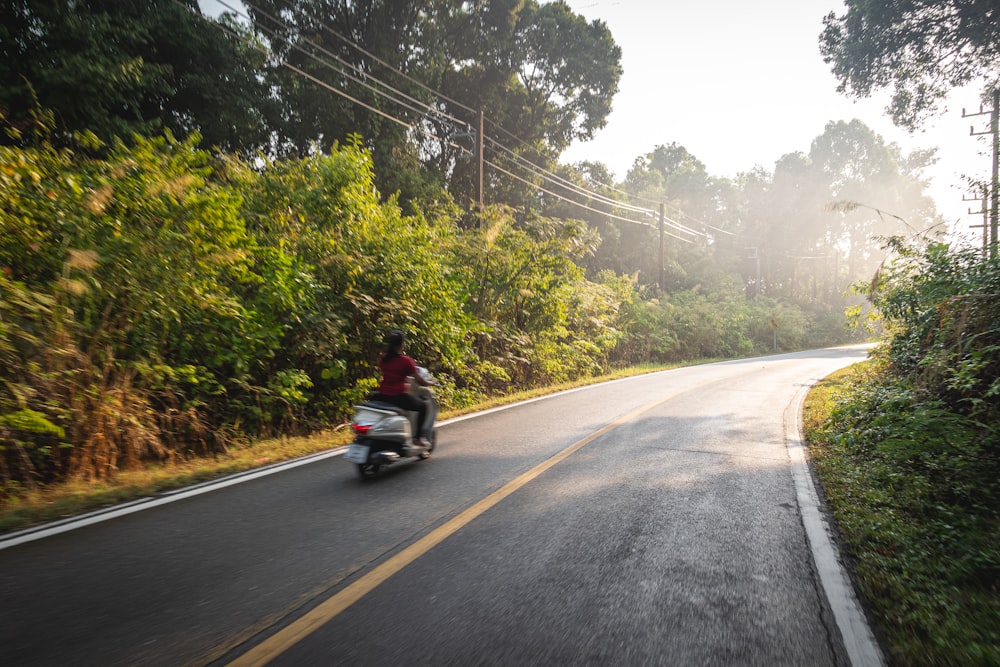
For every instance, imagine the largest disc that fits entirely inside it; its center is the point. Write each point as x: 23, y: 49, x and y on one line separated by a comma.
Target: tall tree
x: 919, y: 48
x: 873, y: 191
x: 672, y: 175
x: 117, y: 67
x: 418, y: 73
x: 815, y: 225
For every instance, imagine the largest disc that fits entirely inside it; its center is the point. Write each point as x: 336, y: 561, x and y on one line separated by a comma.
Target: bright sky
x: 741, y: 83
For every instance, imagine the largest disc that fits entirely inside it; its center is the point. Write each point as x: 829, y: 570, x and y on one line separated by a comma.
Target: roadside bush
x: 943, y: 307
x: 910, y: 460
x: 914, y: 489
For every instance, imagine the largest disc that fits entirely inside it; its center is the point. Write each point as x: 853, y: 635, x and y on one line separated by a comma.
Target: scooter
x: 383, y: 433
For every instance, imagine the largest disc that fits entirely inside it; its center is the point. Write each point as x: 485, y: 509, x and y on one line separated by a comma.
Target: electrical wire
x: 427, y: 108
x: 555, y: 178
x: 409, y: 78
x: 616, y: 202
x: 297, y: 46
x: 533, y: 167
x: 611, y: 202
x: 320, y: 82
x: 583, y: 206
x: 567, y: 183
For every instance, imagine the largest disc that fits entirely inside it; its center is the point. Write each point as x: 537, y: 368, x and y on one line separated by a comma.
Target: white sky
x: 741, y: 83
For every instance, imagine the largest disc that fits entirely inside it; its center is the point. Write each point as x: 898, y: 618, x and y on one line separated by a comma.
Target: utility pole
x: 661, y: 246
x: 482, y: 158
x: 986, y: 217
x: 756, y: 258
x: 994, y: 195
x: 995, y: 204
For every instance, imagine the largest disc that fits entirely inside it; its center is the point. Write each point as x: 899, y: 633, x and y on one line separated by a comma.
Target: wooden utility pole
x: 994, y: 195
x: 661, y: 247
x: 985, y: 211
x: 479, y: 152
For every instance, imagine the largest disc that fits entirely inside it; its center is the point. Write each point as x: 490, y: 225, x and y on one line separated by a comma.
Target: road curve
x: 654, y: 520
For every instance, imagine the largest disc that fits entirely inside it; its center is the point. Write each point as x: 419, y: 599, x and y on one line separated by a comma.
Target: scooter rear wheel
x: 368, y: 470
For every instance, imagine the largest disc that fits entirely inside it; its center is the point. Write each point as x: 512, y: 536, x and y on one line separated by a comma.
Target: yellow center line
x: 281, y: 641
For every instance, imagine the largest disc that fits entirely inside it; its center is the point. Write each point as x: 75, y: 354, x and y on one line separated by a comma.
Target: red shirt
x: 394, y: 374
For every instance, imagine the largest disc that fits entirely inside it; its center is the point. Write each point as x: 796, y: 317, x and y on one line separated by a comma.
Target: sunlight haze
x: 740, y: 84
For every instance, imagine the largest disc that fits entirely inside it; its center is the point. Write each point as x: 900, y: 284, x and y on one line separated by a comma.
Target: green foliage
x: 911, y: 459
x: 914, y: 490
x: 943, y: 307
x: 120, y: 68
x: 355, y: 266
x: 721, y: 323
x: 160, y: 303
x: 542, y: 72
x: 920, y: 49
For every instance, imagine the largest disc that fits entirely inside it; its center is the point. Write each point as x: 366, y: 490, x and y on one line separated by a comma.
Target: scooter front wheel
x: 368, y: 470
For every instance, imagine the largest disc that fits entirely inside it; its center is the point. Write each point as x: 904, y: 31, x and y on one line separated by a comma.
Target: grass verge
x: 924, y: 556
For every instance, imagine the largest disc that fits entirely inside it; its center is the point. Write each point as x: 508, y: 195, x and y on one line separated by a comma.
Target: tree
x: 121, y: 67
x: 920, y: 48
x: 856, y: 167
x: 568, y: 70
x: 418, y: 73
x: 672, y: 175
x: 814, y: 226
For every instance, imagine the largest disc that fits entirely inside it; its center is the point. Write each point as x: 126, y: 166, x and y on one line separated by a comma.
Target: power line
x: 554, y: 178
x: 562, y: 182
x: 427, y: 108
x: 583, y: 206
x: 566, y: 183
x: 267, y: 52
x: 522, y: 142
x: 297, y: 46
x: 409, y: 78
x: 312, y: 78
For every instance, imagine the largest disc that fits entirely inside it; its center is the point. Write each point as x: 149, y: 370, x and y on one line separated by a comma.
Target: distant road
x: 657, y: 520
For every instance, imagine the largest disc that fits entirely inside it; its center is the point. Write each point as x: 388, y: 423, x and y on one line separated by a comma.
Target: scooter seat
x: 387, y: 407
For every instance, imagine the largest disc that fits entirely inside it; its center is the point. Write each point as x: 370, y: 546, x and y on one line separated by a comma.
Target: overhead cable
x: 297, y: 45
x: 583, y: 206
x: 555, y: 178
x: 409, y: 78
x: 427, y: 108
x: 320, y: 82
x: 567, y: 183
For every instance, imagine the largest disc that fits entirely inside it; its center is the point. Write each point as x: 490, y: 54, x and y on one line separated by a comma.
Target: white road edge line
x: 862, y: 649
x: 98, y: 516
x: 72, y: 523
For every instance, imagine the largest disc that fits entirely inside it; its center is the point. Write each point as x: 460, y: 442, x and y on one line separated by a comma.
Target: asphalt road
x: 649, y: 521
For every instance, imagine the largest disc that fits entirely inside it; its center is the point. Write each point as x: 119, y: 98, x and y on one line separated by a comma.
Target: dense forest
x: 207, y: 224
